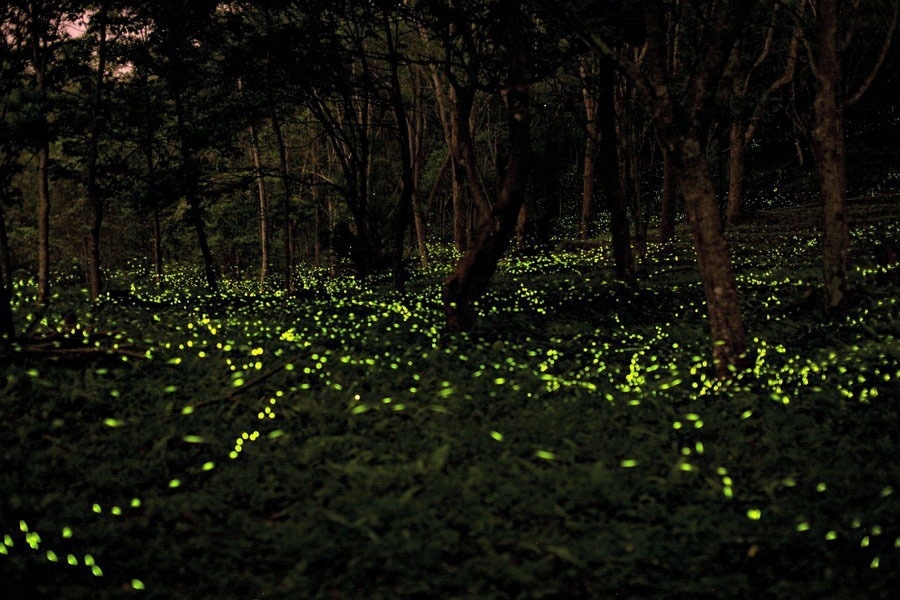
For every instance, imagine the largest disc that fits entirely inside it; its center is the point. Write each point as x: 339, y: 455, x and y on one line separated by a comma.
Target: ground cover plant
x: 338, y: 445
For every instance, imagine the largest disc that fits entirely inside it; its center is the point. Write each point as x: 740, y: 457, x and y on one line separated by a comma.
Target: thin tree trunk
x: 263, y: 208
x: 154, y: 203
x: 7, y: 323
x: 285, y: 194
x: 43, y: 295
x: 42, y: 136
x: 95, y: 200
x: 741, y: 136
x: 417, y: 128
x: 455, y: 111
x: 734, y: 209
x: 157, y: 246
x: 591, y: 144
x: 5, y: 256
x: 587, y: 187
x: 404, y: 208
x: 612, y: 176
x: 419, y: 224
x: 669, y: 190
x: 629, y: 164
x: 191, y: 182
x: 589, y: 177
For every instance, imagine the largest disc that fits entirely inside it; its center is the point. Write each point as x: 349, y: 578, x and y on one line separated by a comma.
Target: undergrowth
x: 338, y: 445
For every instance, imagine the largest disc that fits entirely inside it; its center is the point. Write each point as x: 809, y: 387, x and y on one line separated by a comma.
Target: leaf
x: 563, y: 553
x: 439, y: 457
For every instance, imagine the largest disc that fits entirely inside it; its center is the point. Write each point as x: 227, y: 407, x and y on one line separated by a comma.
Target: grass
x: 339, y: 445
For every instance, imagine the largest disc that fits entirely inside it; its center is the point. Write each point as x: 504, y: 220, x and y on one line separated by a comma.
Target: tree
x: 745, y: 124
x: 600, y: 108
x: 826, y: 41
x: 36, y: 27
x: 391, y: 29
x: 98, y: 118
x: 182, y: 48
x: 11, y: 144
x: 472, y: 273
x: 681, y: 123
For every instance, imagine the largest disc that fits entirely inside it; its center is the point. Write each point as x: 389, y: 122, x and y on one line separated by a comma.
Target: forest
x: 449, y: 299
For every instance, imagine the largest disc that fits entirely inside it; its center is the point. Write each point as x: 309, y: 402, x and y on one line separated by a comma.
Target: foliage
x: 337, y: 445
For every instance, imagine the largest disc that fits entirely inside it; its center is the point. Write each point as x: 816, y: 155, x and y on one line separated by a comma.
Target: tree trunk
x: 195, y: 211
x: 591, y: 144
x: 472, y: 274
x: 587, y: 188
x: 40, y: 58
x: 7, y: 324
x: 420, y: 228
x: 5, y: 257
x: 631, y: 167
x: 719, y: 286
x: 612, y: 176
x: 154, y: 203
x: 192, y: 195
x: 404, y: 208
x: 95, y: 278
x: 418, y: 131
x: 94, y: 196
x: 157, y: 246
x: 285, y: 193
x: 735, y: 207
x: 263, y: 208
x: 828, y: 146
x: 43, y: 295
x: 669, y: 189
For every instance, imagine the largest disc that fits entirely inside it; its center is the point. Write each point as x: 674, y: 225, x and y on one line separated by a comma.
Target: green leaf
x: 439, y: 457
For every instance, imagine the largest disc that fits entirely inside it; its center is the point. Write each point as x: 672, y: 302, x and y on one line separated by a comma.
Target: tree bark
x: 829, y: 149
x: 190, y: 178
x: 418, y: 128
x: 669, y: 190
x: 472, y: 274
x: 591, y: 144
x: 7, y: 324
x: 263, y: 209
x: 42, y: 134
x: 612, y: 176
x: 43, y: 295
x: 404, y: 209
x: 719, y: 286
x: 742, y: 131
x: 285, y: 191
x: 680, y: 124
x: 94, y: 196
x: 735, y: 206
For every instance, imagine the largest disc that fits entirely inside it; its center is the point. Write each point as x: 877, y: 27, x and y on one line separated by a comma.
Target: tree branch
x: 867, y: 82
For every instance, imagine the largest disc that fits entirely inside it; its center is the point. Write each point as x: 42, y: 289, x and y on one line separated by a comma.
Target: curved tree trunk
x: 496, y: 227
x: 719, y: 286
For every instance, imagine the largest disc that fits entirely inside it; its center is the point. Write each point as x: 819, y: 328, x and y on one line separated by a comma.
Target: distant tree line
x: 261, y: 137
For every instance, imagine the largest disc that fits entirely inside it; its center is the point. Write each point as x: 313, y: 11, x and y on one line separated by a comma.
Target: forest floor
x: 338, y: 445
